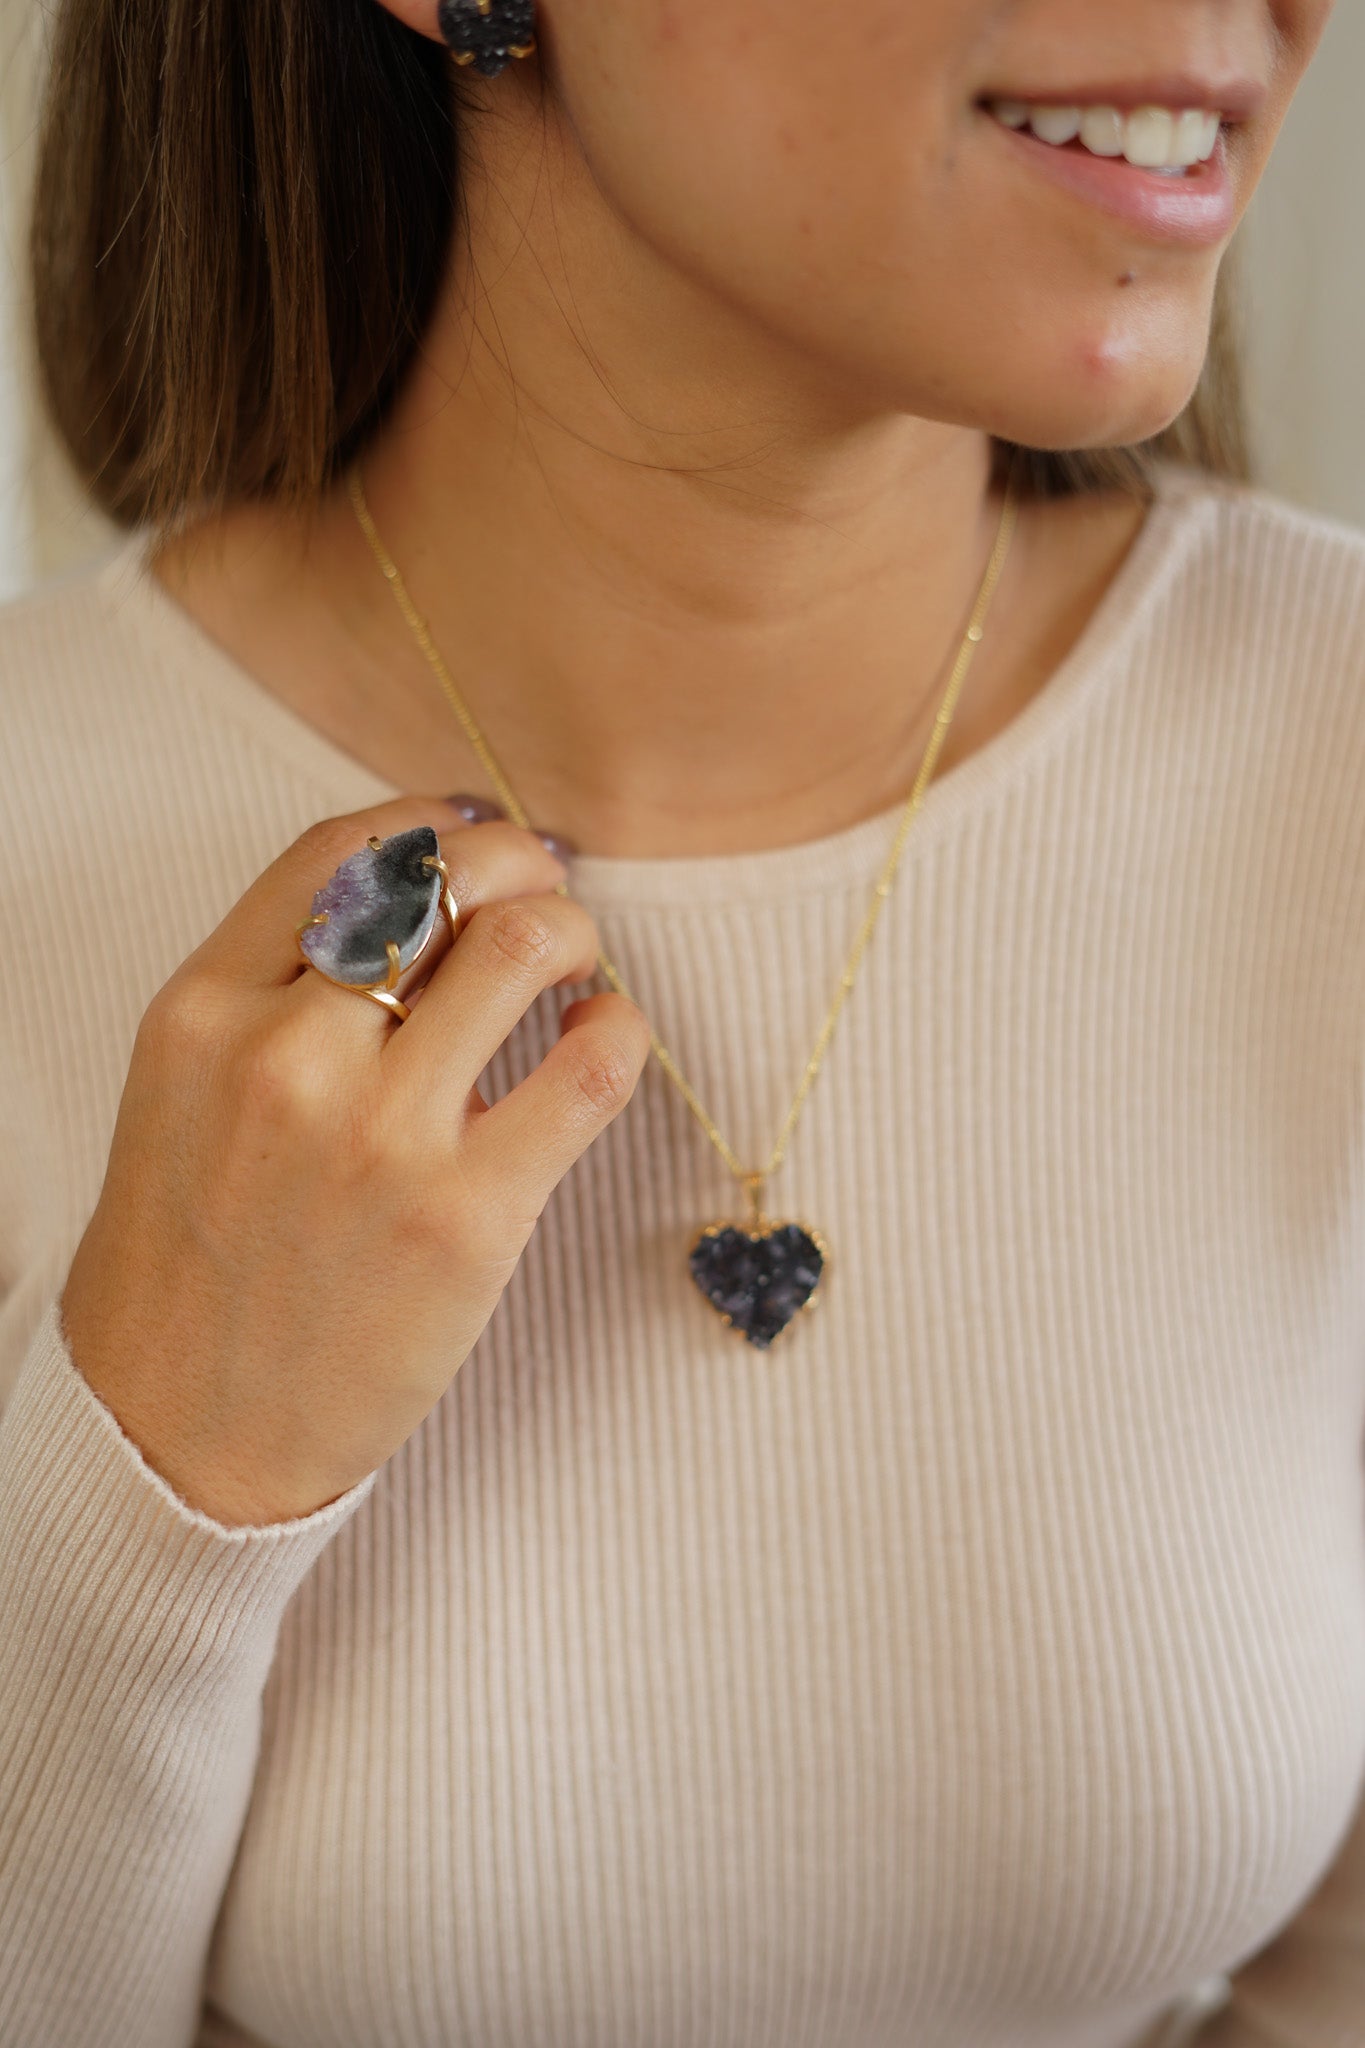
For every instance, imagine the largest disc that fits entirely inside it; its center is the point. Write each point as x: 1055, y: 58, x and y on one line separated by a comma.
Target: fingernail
x: 562, y: 849
x: 476, y: 810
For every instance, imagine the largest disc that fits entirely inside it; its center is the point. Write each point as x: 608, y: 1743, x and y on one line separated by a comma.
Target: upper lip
x: 1235, y: 98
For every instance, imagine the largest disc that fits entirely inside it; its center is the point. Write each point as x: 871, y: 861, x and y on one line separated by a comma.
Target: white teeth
x: 1187, y: 136
x: 1147, y: 137
x: 1102, y: 130
x: 1056, y: 124
x: 1155, y: 138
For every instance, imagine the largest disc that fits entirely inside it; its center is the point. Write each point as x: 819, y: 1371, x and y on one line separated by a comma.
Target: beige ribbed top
x: 983, y: 1667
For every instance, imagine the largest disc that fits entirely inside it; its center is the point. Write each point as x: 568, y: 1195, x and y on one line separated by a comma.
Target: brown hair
x: 241, y: 218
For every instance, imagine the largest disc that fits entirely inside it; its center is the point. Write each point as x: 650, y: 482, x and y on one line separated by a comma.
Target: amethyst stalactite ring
x: 376, y: 915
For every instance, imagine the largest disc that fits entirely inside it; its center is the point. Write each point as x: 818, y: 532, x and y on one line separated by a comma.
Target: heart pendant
x: 758, y: 1277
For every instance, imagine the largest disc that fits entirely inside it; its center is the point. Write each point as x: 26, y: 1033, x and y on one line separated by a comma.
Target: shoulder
x: 73, y: 609
x: 1253, y: 662
x: 1271, y: 576
x: 1259, y: 623
x: 113, y: 696
x: 73, y: 664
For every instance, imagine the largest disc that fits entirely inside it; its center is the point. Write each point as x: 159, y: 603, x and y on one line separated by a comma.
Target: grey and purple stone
x: 377, y: 894
x: 758, y: 1280
x: 486, y: 40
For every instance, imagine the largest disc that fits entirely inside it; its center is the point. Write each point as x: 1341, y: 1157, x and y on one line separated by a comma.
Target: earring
x: 485, y: 33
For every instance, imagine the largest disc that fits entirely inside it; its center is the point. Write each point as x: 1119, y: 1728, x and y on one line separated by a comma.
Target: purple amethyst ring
x: 377, y: 914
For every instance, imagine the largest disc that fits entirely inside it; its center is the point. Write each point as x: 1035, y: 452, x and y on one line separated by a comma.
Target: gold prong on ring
x: 391, y: 948
x: 449, y: 906
x: 300, y: 929
x: 375, y: 841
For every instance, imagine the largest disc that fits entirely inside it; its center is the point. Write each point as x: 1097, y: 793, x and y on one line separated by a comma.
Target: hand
x: 309, y: 1211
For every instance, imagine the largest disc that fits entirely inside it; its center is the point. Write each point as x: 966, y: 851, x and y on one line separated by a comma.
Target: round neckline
x: 838, y: 859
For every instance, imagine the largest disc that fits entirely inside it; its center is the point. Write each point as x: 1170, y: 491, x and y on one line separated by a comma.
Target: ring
x: 377, y: 913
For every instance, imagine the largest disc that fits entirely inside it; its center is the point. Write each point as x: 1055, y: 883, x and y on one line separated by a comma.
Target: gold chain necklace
x: 760, y: 1273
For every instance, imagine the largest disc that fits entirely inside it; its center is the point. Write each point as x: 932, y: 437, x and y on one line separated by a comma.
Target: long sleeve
x: 135, y: 1639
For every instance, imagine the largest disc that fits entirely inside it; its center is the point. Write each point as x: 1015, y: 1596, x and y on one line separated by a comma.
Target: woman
x: 804, y: 451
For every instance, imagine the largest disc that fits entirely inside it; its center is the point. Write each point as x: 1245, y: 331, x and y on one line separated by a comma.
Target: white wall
x: 1305, y: 241
x: 1304, y: 296
x: 14, y: 524
x: 15, y: 562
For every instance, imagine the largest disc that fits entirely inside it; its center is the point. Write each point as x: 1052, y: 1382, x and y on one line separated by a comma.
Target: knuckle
x: 521, y: 934
x: 453, y: 1214
x: 429, y: 1227
x: 324, y: 837
x: 283, y: 1074
x: 600, y: 1071
x: 186, y: 1021
x: 487, y: 1228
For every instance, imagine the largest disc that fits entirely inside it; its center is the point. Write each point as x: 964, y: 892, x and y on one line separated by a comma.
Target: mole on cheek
x: 1126, y: 277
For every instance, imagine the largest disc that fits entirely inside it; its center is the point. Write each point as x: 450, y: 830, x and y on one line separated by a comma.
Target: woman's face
x: 834, y: 173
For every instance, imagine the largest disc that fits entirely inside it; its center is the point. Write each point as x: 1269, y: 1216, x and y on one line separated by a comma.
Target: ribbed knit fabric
x: 984, y: 1666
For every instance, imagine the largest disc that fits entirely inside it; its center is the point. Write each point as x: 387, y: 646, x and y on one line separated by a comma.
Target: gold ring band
x: 390, y: 1002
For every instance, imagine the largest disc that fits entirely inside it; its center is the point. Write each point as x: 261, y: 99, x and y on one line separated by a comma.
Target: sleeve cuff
x: 104, y: 1539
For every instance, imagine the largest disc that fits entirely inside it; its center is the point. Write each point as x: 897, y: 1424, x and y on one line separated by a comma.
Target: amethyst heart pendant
x: 758, y: 1276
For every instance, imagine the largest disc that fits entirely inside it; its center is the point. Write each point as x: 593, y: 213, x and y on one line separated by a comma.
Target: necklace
x: 759, y: 1273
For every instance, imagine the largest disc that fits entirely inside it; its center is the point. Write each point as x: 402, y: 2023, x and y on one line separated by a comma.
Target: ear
x: 419, y: 15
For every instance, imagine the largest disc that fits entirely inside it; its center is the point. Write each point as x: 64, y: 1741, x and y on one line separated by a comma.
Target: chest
x: 985, y: 1660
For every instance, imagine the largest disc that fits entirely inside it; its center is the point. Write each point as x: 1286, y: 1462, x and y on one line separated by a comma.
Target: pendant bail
x: 752, y: 1184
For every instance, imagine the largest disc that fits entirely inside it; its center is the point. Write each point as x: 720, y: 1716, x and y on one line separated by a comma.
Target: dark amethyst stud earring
x: 485, y: 33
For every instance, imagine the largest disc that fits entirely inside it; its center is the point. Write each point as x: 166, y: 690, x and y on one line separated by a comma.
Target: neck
x: 695, y: 597
x: 690, y: 646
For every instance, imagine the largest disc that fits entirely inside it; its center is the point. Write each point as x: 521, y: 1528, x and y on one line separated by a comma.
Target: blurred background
x: 1298, y: 256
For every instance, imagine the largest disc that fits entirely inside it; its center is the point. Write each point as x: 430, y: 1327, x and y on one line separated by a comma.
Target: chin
x: 1057, y: 423
x: 1070, y: 397
x: 1049, y: 370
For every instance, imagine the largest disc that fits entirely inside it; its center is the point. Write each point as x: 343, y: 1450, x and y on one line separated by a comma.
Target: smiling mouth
x: 1174, y: 142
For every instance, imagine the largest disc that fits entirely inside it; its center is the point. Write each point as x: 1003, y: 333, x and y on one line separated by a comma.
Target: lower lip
x: 1196, y: 210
